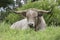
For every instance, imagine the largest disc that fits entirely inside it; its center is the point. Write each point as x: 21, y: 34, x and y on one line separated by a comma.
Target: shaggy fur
x: 22, y: 24
x: 33, y: 19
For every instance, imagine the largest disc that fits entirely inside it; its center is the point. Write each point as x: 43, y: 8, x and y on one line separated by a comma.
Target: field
x: 51, y: 33
x: 53, y: 18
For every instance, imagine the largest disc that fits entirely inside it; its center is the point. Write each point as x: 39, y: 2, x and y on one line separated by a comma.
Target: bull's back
x: 22, y: 24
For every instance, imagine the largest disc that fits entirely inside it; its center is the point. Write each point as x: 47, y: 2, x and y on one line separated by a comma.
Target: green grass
x: 51, y: 33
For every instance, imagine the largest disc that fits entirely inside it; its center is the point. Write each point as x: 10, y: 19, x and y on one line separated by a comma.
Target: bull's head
x: 32, y: 16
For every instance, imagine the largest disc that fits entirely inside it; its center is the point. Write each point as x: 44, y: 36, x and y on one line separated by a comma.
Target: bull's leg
x: 36, y: 28
x: 42, y: 23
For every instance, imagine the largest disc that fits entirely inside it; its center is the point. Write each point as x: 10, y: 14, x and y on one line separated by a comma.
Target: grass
x: 51, y: 33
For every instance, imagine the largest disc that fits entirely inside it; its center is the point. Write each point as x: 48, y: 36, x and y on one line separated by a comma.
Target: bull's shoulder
x: 21, y: 22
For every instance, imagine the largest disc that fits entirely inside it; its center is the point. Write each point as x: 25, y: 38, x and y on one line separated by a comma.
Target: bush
x: 53, y: 18
x: 46, y: 5
x: 12, y: 17
x: 58, y: 1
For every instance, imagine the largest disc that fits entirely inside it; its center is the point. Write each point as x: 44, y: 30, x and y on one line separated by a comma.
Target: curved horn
x: 22, y: 12
x: 43, y: 11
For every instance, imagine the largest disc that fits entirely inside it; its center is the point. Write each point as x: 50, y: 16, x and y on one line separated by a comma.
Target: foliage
x: 46, y: 5
x: 51, y: 33
x: 3, y: 14
x: 58, y: 1
x: 12, y: 17
x: 4, y: 3
x: 55, y: 18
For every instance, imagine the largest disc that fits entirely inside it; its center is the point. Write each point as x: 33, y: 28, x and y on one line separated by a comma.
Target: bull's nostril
x: 30, y: 24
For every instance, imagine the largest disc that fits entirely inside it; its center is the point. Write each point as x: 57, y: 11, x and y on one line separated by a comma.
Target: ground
x: 51, y: 33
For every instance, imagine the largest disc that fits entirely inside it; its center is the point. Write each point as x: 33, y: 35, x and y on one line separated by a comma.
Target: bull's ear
x: 43, y: 11
x: 21, y: 12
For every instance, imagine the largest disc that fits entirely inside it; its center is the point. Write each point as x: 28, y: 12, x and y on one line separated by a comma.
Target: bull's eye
x: 28, y: 18
x: 35, y: 18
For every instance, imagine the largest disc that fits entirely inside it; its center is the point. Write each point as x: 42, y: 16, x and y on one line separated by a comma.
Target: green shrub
x: 12, y: 17
x: 46, y: 5
x: 58, y: 1
x: 53, y: 18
